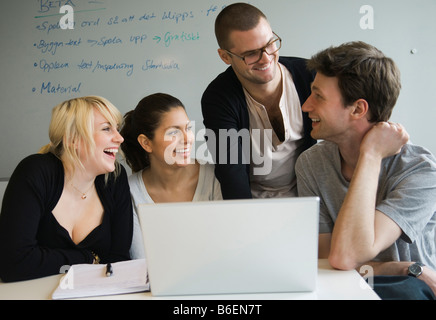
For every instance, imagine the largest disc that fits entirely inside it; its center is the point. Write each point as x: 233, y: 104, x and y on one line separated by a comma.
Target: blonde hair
x: 73, y: 121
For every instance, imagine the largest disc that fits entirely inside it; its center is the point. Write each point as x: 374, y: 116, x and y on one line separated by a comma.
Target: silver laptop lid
x: 232, y: 246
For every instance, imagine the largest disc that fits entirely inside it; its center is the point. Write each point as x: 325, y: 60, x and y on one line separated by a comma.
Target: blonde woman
x: 70, y: 203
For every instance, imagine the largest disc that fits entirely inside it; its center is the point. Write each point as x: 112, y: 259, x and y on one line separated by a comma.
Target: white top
x: 208, y: 189
x: 272, y: 164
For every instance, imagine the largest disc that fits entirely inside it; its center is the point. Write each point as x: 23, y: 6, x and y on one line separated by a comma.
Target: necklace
x: 83, y: 193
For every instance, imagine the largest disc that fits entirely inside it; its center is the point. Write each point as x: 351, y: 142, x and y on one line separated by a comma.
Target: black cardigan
x: 224, y: 106
x: 33, y: 244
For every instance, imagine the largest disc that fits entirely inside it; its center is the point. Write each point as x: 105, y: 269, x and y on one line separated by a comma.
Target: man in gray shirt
x: 377, y: 191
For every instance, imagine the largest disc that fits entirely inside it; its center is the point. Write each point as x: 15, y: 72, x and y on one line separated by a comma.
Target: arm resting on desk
x: 400, y: 268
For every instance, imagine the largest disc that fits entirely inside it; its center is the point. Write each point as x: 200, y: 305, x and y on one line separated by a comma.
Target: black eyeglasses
x: 254, y: 56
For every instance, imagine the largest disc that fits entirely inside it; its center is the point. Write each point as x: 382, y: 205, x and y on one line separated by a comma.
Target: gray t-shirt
x: 406, y: 193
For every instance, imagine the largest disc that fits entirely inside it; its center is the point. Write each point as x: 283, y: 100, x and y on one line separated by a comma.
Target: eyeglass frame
x: 262, y: 50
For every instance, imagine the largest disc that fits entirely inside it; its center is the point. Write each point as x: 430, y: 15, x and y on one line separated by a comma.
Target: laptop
x: 231, y: 246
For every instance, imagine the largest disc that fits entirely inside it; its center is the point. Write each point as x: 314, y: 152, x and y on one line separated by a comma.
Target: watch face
x: 415, y: 269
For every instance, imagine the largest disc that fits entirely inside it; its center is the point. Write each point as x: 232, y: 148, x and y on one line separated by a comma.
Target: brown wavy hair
x: 363, y: 72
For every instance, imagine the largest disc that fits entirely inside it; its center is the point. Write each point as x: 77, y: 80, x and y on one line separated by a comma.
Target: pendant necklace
x: 82, y: 193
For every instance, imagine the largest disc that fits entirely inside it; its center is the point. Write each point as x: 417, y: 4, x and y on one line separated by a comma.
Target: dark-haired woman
x: 157, y: 145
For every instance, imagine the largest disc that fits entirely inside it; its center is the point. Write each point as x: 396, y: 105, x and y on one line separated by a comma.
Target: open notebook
x: 87, y: 280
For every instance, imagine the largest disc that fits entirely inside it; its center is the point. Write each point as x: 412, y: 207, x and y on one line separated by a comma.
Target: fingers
x: 385, y: 139
x: 397, y: 126
x: 400, y: 128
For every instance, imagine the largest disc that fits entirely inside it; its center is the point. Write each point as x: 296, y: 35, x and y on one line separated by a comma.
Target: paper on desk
x: 87, y: 280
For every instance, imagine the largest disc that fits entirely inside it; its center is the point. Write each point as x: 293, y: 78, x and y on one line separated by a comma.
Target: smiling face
x: 107, y: 141
x: 330, y: 118
x: 172, y: 141
x: 243, y: 43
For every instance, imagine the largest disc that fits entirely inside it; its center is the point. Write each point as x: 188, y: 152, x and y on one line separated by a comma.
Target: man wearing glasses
x: 252, y: 111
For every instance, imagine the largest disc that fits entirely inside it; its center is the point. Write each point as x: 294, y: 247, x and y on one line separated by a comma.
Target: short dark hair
x: 363, y: 72
x: 144, y: 119
x: 237, y: 16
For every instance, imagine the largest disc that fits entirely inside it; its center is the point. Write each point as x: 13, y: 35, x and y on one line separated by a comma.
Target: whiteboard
x: 125, y: 50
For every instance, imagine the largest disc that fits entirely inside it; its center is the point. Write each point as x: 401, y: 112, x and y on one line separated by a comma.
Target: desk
x: 331, y: 285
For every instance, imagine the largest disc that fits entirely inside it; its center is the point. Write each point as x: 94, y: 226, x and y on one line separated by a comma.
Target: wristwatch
x: 415, y: 269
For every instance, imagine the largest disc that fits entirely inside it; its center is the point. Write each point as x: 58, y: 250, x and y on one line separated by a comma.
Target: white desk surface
x: 331, y: 285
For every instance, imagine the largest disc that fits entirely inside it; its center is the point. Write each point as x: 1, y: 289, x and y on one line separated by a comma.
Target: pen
x: 109, y: 270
